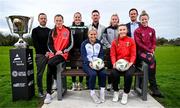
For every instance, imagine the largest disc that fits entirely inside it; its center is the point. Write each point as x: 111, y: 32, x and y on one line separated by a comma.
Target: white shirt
x: 134, y: 26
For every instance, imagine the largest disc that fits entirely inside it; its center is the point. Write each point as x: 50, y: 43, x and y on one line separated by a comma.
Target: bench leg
x: 59, y: 81
x: 145, y: 82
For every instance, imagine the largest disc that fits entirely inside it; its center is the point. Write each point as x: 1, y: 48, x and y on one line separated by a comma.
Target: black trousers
x: 41, y: 61
x: 52, y: 70
x: 127, y: 79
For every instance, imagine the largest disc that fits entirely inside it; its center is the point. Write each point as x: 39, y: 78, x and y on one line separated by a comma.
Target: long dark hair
x: 54, y: 30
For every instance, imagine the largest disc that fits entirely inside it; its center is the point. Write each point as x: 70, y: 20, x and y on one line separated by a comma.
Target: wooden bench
x: 62, y: 73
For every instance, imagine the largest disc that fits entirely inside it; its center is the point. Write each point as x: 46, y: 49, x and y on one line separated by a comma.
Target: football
x: 97, y: 64
x: 121, y: 65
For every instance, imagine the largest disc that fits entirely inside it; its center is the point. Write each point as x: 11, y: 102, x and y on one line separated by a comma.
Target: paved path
x: 81, y: 99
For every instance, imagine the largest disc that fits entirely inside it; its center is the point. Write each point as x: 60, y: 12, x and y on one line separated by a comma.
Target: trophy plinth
x: 20, y: 25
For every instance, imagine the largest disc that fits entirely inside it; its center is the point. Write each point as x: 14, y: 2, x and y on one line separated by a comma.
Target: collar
x: 96, y: 26
x: 42, y: 26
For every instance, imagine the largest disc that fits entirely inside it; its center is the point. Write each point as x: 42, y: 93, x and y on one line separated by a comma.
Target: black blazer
x: 129, y: 28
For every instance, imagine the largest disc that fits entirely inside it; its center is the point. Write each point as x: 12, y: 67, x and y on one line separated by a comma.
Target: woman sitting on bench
x: 92, y: 49
x: 123, y: 47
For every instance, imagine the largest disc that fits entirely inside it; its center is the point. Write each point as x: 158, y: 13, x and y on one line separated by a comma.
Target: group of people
x: 134, y: 42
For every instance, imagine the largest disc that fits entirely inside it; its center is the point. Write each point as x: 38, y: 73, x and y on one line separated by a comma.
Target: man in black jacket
x: 40, y: 38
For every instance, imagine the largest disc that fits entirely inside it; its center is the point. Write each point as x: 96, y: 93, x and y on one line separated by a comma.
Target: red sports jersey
x: 124, y: 48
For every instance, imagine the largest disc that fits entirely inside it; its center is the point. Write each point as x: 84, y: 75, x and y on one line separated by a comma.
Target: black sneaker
x: 156, y: 92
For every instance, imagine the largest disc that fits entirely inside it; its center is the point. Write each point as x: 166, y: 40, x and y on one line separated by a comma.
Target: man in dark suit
x: 134, y: 24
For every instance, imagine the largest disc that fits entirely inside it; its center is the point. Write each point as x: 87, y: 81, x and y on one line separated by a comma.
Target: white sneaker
x: 102, y: 97
x: 54, y: 87
x: 95, y: 99
x: 109, y: 86
x: 48, y: 99
x: 115, y: 96
x: 79, y: 86
x: 124, y: 98
x: 74, y: 86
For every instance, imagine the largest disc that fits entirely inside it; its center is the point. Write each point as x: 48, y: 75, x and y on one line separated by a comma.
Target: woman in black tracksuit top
x: 79, y: 32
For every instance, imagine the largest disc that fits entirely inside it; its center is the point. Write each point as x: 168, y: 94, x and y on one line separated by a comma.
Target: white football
x: 121, y: 64
x: 97, y: 64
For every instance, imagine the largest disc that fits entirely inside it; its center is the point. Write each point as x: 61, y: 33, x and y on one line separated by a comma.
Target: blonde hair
x: 92, y: 29
x: 143, y: 13
x: 116, y: 15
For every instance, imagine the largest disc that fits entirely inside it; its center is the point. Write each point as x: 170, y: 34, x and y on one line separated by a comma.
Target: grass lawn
x: 168, y: 77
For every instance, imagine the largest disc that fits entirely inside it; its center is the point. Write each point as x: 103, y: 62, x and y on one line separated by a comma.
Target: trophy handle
x: 31, y: 22
x: 7, y: 19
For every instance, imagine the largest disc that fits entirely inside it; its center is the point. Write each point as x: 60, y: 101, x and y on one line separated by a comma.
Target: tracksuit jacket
x: 123, y: 48
x: 110, y: 33
x: 100, y: 30
x: 62, y: 42
x: 145, y: 39
x: 90, y: 52
x: 80, y: 34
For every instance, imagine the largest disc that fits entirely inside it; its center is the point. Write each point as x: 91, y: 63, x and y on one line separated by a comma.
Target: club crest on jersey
x: 150, y: 34
x: 127, y: 44
x: 64, y: 34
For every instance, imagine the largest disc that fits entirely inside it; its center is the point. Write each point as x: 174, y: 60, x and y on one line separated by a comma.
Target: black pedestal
x: 22, y: 73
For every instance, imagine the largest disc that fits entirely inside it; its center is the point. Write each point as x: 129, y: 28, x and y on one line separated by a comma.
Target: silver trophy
x: 20, y: 25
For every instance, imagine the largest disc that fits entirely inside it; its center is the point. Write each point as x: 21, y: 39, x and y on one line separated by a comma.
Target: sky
x: 164, y: 14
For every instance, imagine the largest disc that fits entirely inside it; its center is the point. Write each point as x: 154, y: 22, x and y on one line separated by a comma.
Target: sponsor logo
x: 29, y: 59
x: 17, y: 60
x: 16, y: 73
x: 19, y: 84
x: 30, y: 72
x: 30, y: 83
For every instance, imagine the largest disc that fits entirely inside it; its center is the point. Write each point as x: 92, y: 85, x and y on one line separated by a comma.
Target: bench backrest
x: 76, y: 62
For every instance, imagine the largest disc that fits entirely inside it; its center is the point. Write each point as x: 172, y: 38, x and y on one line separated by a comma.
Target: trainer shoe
x: 109, y: 86
x: 124, y: 98
x: 95, y: 99
x: 102, y: 97
x: 40, y: 94
x: 74, y: 87
x: 48, y: 99
x: 156, y: 92
x: 79, y: 86
x: 115, y: 96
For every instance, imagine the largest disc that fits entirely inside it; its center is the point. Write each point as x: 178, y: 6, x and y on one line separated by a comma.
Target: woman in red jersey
x: 123, y: 48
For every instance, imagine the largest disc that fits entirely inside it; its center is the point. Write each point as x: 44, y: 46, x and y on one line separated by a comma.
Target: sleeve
x: 50, y: 43
x: 85, y: 36
x: 104, y: 40
x: 153, y: 40
x: 139, y: 42
x: 102, y: 31
x: 101, y: 53
x: 35, y: 39
x: 133, y: 52
x: 84, y: 53
x: 71, y: 42
x: 113, y: 52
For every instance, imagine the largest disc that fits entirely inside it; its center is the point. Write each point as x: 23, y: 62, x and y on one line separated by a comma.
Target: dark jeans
x: 52, y: 70
x: 151, y: 61
x: 41, y: 62
x: 92, y: 77
x: 127, y: 79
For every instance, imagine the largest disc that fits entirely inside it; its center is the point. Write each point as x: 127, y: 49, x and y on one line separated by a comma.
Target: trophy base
x: 21, y: 44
